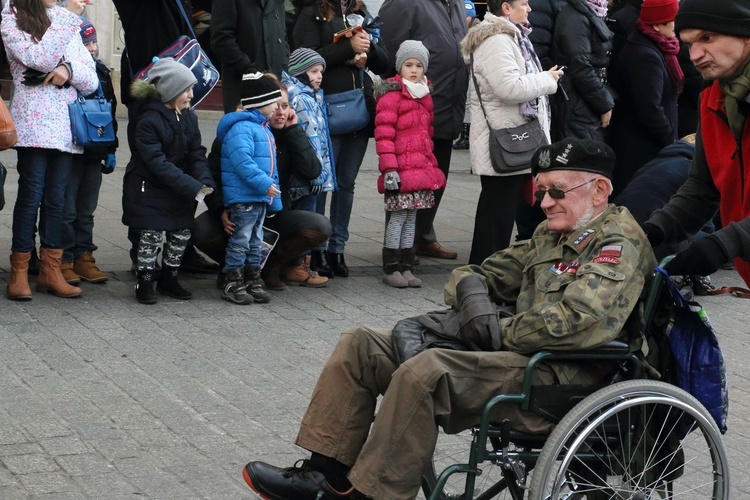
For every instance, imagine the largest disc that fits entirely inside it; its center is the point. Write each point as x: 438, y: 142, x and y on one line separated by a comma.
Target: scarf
x: 529, y: 109
x: 669, y: 47
x: 417, y: 90
x: 736, y: 90
x: 599, y: 7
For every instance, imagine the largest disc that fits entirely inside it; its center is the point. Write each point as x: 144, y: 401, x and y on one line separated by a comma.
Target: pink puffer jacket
x: 403, y: 135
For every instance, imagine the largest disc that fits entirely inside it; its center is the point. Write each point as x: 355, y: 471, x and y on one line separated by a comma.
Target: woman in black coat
x: 582, y: 42
x: 317, y: 22
x: 648, y: 90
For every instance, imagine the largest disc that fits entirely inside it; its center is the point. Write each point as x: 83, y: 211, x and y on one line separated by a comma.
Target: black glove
x: 654, y: 234
x: 33, y: 77
x: 479, y: 326
x: 702, y: 257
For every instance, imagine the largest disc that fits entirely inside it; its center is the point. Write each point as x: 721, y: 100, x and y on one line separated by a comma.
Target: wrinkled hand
x: 109, y: 164
x: 392, y: 181
x: 58, y: 76
x: 702, y: 257
x: 654, y: 234
x: 478, y: 320
x: 228, y: 224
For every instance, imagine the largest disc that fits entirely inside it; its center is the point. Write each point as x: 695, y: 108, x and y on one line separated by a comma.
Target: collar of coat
x: 491, y: 26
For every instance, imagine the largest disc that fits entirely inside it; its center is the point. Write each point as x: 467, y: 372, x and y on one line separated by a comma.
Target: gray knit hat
x: 412, y: 49
x: 258, y: 90
x: 303, y: 59
x: 727, y: 17
x: 170, y: 78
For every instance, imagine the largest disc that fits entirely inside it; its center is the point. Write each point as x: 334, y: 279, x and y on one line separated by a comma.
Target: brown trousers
x: 437, y: 387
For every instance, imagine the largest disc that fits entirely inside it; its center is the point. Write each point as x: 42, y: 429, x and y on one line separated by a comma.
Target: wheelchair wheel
x: 454, y: 449
x: 638, y: 439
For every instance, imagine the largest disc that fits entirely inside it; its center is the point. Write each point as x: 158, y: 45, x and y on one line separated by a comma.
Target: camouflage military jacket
x: 573, y: 292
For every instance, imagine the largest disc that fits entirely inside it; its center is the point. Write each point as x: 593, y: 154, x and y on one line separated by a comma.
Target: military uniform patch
x: 602, y: 259
x: 584, y: 238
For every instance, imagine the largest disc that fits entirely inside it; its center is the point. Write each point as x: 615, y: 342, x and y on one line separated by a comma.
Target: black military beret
x: 584, y: 155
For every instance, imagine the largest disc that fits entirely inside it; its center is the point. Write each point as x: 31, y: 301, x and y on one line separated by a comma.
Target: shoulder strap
x: 185, y: 16
x: 476, y: 89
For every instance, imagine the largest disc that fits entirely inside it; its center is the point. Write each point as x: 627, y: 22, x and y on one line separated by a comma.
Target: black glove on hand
x: 702, y: 257
x: 479, y: 327
x: 654, y: 234
x: 33, y: 77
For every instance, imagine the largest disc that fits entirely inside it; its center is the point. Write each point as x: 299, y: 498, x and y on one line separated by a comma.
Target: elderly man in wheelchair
x: 573, y: 286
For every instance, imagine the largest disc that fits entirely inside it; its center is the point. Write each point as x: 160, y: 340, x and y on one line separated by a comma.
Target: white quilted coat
x: 501, y: 74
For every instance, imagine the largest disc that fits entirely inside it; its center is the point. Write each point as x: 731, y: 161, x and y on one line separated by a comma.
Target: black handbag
x: 347, y: 111
x: 511, y: 149
x: 91, y: 120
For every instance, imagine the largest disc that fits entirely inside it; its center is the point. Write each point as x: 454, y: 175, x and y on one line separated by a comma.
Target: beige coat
x: 501, y: 74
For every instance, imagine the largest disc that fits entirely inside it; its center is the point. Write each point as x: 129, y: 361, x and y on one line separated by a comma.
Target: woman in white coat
x: 514, y: 90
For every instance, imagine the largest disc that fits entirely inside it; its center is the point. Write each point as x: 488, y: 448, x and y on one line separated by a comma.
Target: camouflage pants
x: 174, y: 249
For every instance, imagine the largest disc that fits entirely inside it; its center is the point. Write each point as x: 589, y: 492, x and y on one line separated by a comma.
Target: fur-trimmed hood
x: 144, y: 91
x: 491, y: 26
x: 391, y: 85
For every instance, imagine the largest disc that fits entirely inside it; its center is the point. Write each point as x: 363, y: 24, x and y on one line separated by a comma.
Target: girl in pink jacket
x: 409, y: 172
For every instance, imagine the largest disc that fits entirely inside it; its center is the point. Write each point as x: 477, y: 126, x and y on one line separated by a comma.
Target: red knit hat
x: 655, y: 12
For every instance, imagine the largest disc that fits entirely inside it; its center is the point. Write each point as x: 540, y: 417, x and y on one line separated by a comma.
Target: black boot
x: 319, y: 263
x: 463, y: 140
x: 169, y: 285
x: 337, y: 264
x: 254, y: 287
x: 234, y: 288
x: 144, y: 289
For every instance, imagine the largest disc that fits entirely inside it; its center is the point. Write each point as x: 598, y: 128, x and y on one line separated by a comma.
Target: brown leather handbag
x: 8, y: 135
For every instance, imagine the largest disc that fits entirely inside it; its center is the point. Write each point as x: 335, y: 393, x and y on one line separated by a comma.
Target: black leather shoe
x: 275, y: 483
x: 193, y: 262
x: 337, y: 264
x: 319, y: 263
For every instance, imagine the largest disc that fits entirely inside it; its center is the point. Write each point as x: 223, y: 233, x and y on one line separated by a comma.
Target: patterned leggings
x: 400, y: 230
x: 174, y: 249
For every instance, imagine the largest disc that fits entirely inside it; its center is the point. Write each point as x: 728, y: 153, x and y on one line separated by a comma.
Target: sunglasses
x: 557, y: 194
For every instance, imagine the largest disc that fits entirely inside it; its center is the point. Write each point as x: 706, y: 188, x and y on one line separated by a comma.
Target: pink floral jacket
x: 41, y: 113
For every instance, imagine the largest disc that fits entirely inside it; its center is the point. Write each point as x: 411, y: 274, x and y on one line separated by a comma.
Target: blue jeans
x: 81, y: 199
x: 348, y: 152
x: 243, y: 247
x: 42, y: 179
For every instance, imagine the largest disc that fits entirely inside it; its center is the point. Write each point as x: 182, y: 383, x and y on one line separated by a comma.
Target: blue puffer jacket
x: 310, y: 108
x: 248, y: 159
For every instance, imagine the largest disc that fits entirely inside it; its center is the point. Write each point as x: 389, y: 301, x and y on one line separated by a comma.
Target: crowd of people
x: 575, y: 67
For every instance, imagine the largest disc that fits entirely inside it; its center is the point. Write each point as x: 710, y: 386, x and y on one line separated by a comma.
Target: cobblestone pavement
x: 103, y: 398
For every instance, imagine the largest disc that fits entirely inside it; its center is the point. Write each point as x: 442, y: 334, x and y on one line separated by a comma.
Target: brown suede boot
x: 66, y: 268
x: 50, y: 277
x: 18, y: 283
x: 86, y: 268
x: 302, y: 275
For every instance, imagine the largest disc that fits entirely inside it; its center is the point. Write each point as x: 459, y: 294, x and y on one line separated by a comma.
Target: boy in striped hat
x: 250, y: 182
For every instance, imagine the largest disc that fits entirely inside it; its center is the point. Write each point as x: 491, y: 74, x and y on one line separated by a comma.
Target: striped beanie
x: 303, y: 59
x: 258, y: 90
x: 88, y: 32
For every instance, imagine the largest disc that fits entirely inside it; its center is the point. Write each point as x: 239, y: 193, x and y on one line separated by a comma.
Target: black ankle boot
x: 463, y: 140
x: 144, y: 289
x: 168, y: 284
x: 319, y: 263
x: 337, y: 264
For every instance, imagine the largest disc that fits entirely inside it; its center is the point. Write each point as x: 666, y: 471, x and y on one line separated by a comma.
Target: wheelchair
x: 627, y: 438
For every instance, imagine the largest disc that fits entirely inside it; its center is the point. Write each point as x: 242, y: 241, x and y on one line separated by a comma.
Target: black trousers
x: 496, y: 213
x: 425, y: 231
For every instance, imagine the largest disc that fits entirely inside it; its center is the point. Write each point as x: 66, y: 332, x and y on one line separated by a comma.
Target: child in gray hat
x: 167, y: 174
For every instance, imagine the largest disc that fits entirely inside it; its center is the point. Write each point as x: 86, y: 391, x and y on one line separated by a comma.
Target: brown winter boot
x: 18, y: 283
x: 392, y: 276
x: 66, y: 268
x: 302, y: 275
x: 50, y: 277
x: 85, y: 267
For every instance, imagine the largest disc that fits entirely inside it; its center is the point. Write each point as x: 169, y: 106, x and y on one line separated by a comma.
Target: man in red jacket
x: 718, y: 34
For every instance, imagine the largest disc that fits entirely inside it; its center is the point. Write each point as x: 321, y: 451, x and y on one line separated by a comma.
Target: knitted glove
x: 109, y: 164
x: 479, y: 326
x: 702, y: 257
x: 392, y: 181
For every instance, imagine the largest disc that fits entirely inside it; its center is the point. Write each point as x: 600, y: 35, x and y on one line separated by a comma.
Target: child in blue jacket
x: 250, y: 184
